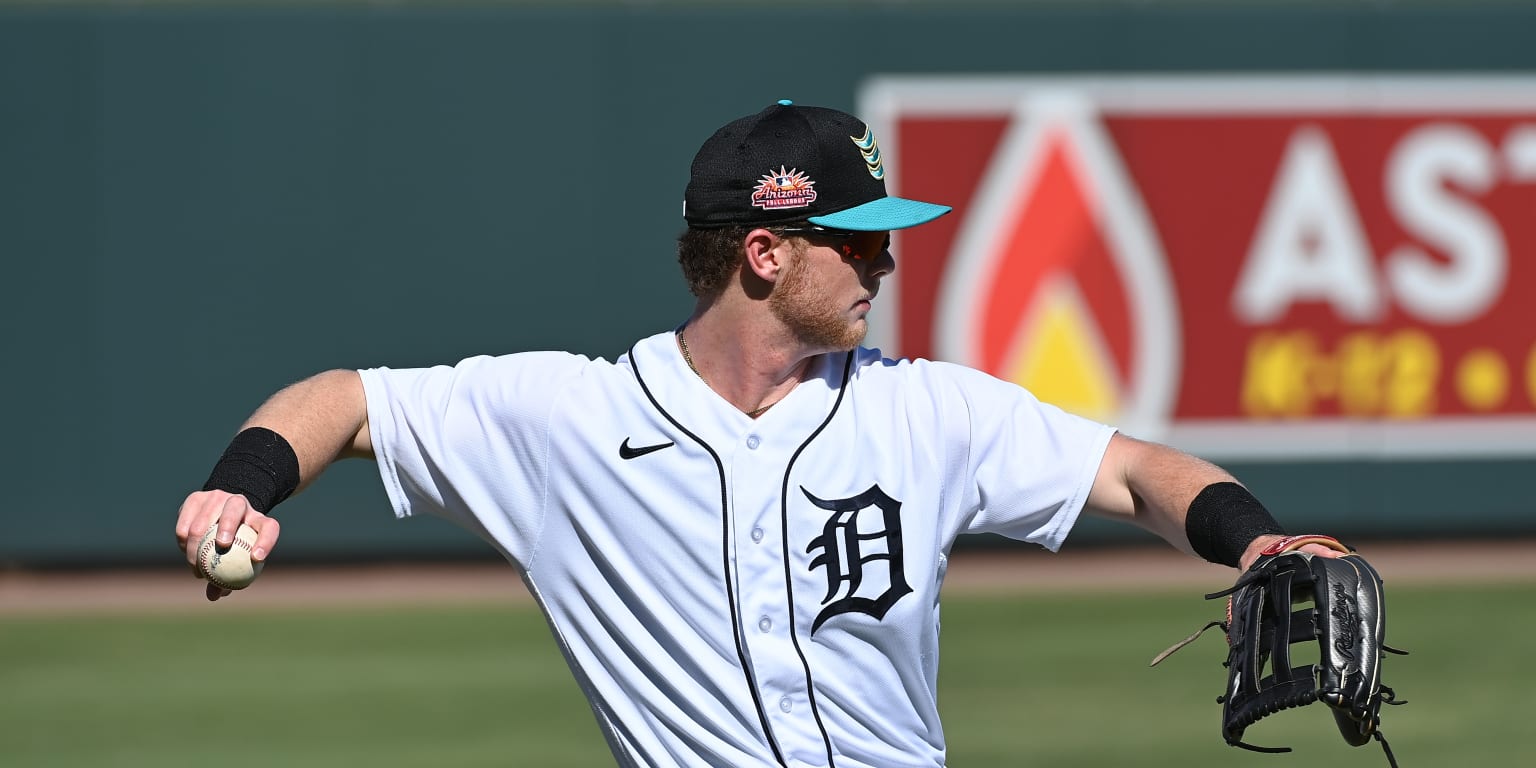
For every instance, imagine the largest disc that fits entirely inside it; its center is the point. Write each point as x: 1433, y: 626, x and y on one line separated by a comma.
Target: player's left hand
x: 1258, y: 545
x: 1341, y: 616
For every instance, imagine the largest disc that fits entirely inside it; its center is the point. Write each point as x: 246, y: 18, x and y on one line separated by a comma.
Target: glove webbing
x: 1288, y: 687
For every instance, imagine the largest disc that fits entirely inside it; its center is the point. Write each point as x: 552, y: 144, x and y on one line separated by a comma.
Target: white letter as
x: 1309, y: 245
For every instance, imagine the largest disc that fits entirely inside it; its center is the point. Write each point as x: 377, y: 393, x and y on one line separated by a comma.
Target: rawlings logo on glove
x: 1290, y: 597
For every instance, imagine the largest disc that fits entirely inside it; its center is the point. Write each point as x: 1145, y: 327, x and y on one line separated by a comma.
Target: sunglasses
x: 812, y: 230
x: 815, y: 232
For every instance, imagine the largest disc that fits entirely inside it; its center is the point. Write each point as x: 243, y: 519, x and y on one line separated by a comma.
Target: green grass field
x: 1026, y: 681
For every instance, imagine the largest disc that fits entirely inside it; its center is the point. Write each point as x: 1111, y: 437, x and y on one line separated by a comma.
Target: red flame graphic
x: 1055, y: 233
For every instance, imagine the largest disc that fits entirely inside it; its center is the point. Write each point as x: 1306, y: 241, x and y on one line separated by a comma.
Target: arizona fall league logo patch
x: 781, y: 189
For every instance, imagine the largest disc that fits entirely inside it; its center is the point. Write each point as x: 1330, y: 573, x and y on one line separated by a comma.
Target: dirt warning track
x: 972, y: 572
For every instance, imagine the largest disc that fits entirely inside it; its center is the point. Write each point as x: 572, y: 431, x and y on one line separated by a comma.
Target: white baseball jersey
x: 733, y: 591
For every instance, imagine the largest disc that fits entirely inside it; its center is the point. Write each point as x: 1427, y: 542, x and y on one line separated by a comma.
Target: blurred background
x: 201, y: 202
x: 1292, y: 237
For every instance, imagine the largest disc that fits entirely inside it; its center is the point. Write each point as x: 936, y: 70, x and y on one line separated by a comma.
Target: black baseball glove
x: 1289, y: 597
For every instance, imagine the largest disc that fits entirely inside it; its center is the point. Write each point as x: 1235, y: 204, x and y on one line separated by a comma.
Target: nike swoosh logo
x: 626, y: 453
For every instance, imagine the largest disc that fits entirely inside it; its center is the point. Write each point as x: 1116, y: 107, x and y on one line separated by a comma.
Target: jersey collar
x: 676, y: 389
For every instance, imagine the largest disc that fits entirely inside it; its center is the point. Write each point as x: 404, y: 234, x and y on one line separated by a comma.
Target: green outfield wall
x: 201, y: 203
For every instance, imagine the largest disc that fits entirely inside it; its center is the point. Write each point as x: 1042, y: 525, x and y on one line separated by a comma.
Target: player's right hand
x: 202, y: 508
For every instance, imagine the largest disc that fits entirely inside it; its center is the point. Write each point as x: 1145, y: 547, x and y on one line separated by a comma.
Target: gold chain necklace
x: 682, y: 344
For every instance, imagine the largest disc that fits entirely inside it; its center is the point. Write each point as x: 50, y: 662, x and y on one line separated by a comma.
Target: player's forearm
x: 1195, y: 505
x: 324, y: 418
x: 1152, y: 486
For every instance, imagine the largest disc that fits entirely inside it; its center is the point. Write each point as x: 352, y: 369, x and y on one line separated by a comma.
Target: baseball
x: 232, y: 568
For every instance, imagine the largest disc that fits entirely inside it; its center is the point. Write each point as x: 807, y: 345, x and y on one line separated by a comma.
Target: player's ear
x: 766, y: 254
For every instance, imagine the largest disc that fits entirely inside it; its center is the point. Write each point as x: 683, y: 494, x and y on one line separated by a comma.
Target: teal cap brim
x: 884, y: 214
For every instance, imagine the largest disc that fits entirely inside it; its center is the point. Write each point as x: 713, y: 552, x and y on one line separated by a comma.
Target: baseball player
x: 738, y: 529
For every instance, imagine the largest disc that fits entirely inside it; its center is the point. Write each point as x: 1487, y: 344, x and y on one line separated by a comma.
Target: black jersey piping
x: 789, y: 585
x: 725, y: 547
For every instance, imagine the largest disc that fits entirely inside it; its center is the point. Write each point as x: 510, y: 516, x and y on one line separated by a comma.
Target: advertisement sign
x: 1246, y: 267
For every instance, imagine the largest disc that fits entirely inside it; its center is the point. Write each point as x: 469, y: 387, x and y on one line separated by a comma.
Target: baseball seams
x: 231, y: 569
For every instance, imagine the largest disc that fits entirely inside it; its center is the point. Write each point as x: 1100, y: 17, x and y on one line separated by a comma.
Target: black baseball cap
x: 790, y: 163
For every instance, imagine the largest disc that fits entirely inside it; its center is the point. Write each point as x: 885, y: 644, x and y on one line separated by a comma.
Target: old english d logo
x: 861, y: 553
x: 1056, y: 280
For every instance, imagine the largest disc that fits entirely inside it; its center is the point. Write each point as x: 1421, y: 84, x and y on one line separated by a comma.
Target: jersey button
x: 765, y: 624
x: 757, y: 534
x: 753, y: 442
x: 785, y: 704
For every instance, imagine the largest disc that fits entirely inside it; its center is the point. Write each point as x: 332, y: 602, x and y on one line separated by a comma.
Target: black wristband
x: 259, y: 465
x: 1223, y: 520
